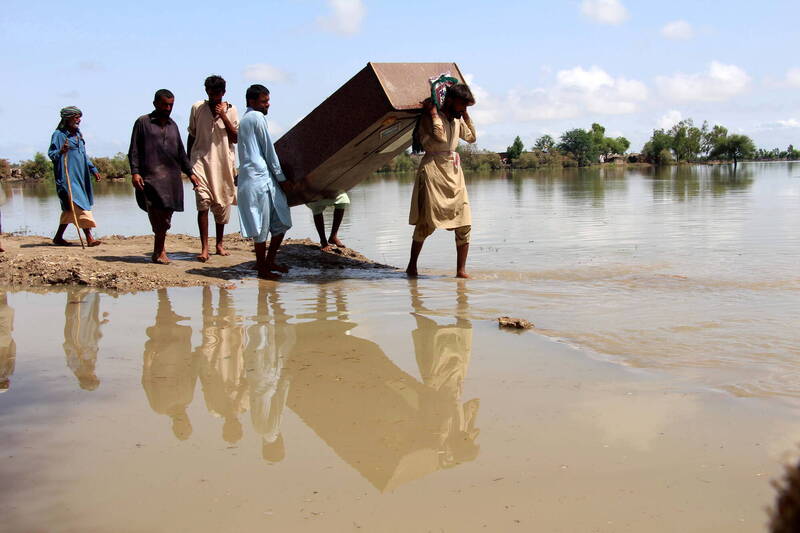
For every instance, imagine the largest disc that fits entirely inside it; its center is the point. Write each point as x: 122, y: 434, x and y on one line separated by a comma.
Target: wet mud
x: 123, y: 263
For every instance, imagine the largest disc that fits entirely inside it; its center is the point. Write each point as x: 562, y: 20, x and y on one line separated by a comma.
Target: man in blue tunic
x: 68, y: 153
x: 263, y: 208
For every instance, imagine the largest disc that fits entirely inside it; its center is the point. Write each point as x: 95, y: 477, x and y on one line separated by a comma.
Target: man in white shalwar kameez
x: 263, y: 208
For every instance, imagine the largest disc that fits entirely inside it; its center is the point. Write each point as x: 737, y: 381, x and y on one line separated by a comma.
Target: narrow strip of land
x: 123, y: 263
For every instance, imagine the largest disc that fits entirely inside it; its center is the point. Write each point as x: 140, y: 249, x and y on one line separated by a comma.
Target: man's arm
x: 192, y: 129
x: 230, y: 128
x: 133, y: 157
x: 437, y: 130
x: 467, y: 129
x: 186, y: 167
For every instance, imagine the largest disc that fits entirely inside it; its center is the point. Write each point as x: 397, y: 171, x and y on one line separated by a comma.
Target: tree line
x: 682, y: 143
x: 40, y: 167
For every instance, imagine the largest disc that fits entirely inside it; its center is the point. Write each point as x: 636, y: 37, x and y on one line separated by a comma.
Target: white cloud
x: 488, y: 110
x: 605, y: 11
x: 781, y: 124
x: 276, y: 129
x: 678, y: 30
x: 579, y: 91
x: 793, y: 77
x: 346, y: 17
x: 719, y: 83
x: 671, y: 118
x: 264, y: 72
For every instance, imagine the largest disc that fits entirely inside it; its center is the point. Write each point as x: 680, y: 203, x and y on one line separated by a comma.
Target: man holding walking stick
x: 73, y: 172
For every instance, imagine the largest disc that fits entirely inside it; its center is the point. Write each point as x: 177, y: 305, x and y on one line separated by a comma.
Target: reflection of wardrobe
x: 385, y: 423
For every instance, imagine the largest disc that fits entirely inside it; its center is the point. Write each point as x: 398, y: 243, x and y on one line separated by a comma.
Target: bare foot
x: 93, y: 243
x: 203, y: 256
x: 61, y: 242
x: 412, y: 272
x: 326, y: 248
x: 463, y: 275
x: 338, y: 242
x: 161, y: 259
x: 277, y: 267
x: 270, y: 276
x: 222, y: 251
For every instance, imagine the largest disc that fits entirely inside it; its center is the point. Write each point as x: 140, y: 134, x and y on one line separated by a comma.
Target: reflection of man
x: 443, y: 353
x: 439, y: 199
x: 168, y: 375
x: 221, y: 365
x: 82, y: 335
x: 213, y: 126
x: 268, y: 345
x: 382, y: 421
x: 8, y: 348
x: 157, y: 157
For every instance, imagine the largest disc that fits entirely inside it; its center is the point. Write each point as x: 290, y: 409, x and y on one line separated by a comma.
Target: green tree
x: 710, y: 138
x: 116, y: 167
x: 5, y: 169
x: 580, y: 144
x: 545, y: 143
x: 516, y: 148
x: 734, y: 147
x: 40, y: 167
x: 658, y: 150
x: 686, y: 140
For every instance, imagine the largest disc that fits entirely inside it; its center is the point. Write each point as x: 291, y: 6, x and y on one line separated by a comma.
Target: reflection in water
x: 682, y: 182
x: 220, y: 363
x: 268, y: 345
x: 8, y: 348
x: 443, y: 353
x: 82, y: 335
x: 383, y: 422
x: 168, y: 375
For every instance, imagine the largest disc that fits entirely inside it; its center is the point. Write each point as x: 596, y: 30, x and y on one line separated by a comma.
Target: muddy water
x: 692, y: 271
x: 355, y: 405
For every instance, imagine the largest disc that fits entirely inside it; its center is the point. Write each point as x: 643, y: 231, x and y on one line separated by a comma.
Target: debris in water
x: 518, y: 323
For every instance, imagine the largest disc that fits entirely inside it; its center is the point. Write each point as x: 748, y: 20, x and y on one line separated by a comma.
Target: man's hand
x: 195, y: 182
x: 137, y: 181
x: 97, y: 176
x: 65, y: 148
x: 220, y: 109
x: 465, y: 116
x: 428, y: 107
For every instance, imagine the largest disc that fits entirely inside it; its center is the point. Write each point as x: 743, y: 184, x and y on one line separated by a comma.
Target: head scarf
x: 68, y: 112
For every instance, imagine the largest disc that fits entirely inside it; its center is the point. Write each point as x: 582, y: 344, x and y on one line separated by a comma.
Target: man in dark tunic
x: 157, y: 158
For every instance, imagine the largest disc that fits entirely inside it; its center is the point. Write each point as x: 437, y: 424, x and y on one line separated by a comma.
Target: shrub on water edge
x: 40, y: 167
x: 116, y: 167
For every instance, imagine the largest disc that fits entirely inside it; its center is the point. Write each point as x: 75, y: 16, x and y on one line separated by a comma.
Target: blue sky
x: 537, y: 67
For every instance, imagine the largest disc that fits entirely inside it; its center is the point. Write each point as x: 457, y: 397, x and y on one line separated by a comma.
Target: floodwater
x: 658, y: 391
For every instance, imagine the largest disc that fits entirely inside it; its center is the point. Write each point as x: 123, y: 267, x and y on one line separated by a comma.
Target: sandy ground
x: 123, y: 263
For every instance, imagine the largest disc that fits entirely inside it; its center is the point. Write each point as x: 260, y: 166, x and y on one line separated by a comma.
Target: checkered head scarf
x: 66, y: 113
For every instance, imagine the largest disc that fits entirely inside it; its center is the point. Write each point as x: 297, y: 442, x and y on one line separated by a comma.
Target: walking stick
x: 71, y: 203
